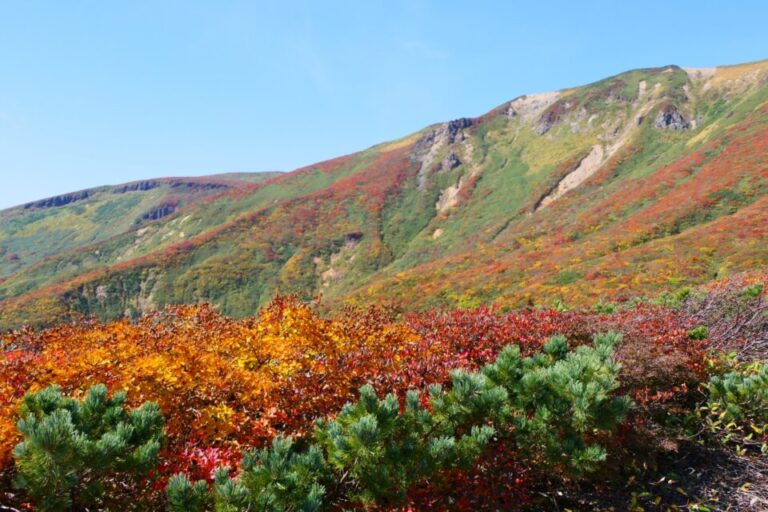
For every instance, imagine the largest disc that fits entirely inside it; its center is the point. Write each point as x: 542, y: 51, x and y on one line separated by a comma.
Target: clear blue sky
x: 100, y: 92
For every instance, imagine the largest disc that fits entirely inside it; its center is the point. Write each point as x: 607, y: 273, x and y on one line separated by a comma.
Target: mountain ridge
x: 523, y: 204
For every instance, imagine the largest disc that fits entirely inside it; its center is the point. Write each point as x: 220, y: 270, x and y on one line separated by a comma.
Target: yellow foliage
x: 219, y: 382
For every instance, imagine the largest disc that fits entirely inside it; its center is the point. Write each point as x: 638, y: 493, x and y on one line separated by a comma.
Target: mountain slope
x: 33, y: 231
x: 648, y: 180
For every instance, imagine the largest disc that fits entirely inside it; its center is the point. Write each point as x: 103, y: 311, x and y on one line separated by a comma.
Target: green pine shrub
x: 737, y: 406
x: 552, y: 406
x: 274, y: 479
x: 384, y: 450
x: 560, y: 399
x: 75, y: 451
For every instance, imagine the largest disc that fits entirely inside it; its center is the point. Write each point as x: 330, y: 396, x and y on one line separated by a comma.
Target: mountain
x: 642, y: 182
x: 31, y: 232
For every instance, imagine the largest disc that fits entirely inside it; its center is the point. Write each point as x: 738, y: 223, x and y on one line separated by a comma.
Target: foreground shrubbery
x: 265, y: 382
x: 76, y: 452
x: 735, y: 312
x: 737, y: 407
x: 549, y: 406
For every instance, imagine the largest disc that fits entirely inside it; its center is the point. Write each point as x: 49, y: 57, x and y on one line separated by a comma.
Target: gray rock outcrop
x: 669, y: 118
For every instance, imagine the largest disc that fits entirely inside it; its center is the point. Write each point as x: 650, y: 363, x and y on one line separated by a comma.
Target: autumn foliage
x: 224, y: 384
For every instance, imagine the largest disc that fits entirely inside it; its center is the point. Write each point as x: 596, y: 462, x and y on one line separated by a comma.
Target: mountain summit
x: 644, y: 181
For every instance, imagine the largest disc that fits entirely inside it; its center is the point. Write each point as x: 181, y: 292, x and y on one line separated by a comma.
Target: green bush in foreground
x: 550, y: 406
x: 738, y: 405
x: 559, y: 399
x: 74, y: 450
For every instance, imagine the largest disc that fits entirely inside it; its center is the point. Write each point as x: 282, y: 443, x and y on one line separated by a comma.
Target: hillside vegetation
x: 650, y: 406
x: 649, y: 180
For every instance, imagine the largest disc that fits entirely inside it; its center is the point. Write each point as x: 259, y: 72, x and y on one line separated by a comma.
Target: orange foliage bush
x: 220, y: 382
x: 226, y: 384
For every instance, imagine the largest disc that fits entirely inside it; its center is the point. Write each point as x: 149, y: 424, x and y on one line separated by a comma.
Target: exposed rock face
x: 529, y: 107
x: 548, y: 120
x: 449, y: 197
x: 58, y: 200
x: 427, y: 147
x: 336, y: 267
x: 101, y: 293
x: 159, y: 212
x: 451, y: 161
x: 454, y: 129
x: 145, y: 302
x: 137, y: 186
x: 447, y: 133
x: 196, y: 185
x: 586, y: 168
x: 353, y: 237
x: 424, y: 144
x: 141, y: 186
x: 551, y: 117
x: 669, y: 118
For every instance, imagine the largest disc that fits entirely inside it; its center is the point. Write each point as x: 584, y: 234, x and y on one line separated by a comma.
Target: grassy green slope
x: 34, y: 231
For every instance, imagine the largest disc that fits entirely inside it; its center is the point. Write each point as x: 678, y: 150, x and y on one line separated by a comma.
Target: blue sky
x: 99, y: 92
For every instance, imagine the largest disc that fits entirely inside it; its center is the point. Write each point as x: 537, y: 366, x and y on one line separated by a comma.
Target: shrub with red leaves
x: 497, y: 481
x: 323, y: 361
